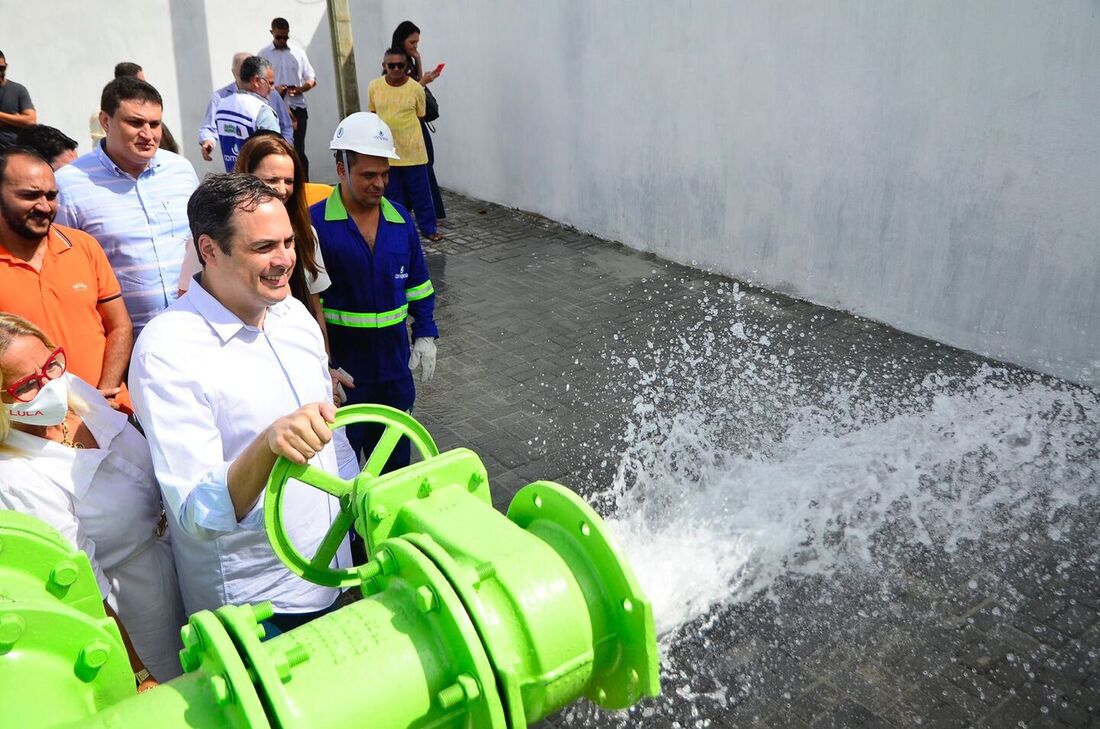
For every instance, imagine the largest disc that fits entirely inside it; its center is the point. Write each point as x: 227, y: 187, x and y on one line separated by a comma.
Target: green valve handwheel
x: 397, y: 424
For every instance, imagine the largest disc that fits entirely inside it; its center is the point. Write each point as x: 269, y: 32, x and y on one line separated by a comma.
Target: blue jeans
x: 280, y: 623
x: 409, y: 187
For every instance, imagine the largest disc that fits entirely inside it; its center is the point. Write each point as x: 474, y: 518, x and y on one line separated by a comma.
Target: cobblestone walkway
x: 547, y: 334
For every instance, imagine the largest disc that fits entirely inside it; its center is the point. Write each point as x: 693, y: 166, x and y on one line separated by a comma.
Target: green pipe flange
x: 243, y: 624
x: 207, y: 645
x: 511, y: 692
x: 34, y: 556
x: 316, y: 569
x: 434, y: 595
x: 52, y: 644
x: 565, y: 521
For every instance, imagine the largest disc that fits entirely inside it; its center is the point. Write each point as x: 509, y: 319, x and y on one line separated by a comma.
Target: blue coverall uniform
x: 372, y: 295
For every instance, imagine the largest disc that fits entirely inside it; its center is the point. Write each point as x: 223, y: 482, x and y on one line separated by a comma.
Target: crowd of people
x: 164, y: 340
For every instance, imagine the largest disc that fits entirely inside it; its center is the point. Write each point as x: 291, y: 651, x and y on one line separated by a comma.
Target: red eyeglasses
x: 26, y: 388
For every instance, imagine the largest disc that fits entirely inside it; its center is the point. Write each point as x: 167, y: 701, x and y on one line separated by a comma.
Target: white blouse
x: 106, y: 502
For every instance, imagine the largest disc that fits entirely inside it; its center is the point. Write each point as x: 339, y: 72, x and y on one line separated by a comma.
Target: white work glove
x: 423, y: 353
x: 340, y: 380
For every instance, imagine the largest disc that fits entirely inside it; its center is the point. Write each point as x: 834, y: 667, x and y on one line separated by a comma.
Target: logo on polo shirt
x: 80, y: 286
x: 401, y: 274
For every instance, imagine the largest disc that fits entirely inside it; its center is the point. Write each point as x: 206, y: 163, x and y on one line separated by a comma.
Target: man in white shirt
x: 229, y: 377
x: 242, y: 114
x: 208, y: 133
x: 294, y: 76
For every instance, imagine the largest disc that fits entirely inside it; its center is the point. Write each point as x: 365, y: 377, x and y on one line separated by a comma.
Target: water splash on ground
x: 706, y: 523
x: 746, y: 468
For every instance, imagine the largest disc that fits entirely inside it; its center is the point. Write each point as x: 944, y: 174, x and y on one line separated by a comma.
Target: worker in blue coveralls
x: 379, y: 279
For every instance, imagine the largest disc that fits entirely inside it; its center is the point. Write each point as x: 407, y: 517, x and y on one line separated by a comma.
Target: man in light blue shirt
x: 131, y: 196
x: 208, y: 133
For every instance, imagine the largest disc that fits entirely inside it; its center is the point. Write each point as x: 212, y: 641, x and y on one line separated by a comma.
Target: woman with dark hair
x: 407, y: 37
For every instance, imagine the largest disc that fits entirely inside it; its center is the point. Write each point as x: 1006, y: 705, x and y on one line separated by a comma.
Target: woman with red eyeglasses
x: 70, y: 459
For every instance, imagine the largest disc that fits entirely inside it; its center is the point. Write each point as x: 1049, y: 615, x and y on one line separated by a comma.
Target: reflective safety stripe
x: 366, y: 320
x: 423, y: 291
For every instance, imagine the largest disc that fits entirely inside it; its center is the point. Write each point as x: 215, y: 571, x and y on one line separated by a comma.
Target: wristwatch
x: 141, y: 676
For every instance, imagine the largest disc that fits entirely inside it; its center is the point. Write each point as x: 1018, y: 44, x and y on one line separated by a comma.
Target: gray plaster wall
x: 934, y: 165
x: 64, y: 52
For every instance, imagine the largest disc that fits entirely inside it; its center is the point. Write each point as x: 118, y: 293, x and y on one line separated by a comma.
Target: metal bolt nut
x: 93, y: 656
x: 12, y: 628
x: 64, y: 573
x: 463, y: 690
x: 262, y: 611
x: 379, y: 513
x: 386, y: 562
x: 425, y: 599
x: 190, y: 660
x: 223, y: 692
x: 297, y: 654
x: 282, y: 665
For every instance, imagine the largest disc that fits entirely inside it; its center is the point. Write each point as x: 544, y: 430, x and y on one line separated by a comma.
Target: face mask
x: 48, y: 407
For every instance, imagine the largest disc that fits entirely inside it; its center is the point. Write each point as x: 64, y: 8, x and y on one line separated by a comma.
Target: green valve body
x: 470, y: 618
x: 61, y: 657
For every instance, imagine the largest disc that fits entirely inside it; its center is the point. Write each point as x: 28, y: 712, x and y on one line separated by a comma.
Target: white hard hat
x: 364, y: 133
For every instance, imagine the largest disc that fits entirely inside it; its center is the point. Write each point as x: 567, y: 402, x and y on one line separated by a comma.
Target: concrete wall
x: 64, y: 52
x: 934, y: 165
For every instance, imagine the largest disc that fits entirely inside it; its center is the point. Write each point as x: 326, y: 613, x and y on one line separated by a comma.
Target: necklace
x: 65, y: 439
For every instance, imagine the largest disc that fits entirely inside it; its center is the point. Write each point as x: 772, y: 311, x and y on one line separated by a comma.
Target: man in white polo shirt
x: 294, y: 76
x: 229, y: 377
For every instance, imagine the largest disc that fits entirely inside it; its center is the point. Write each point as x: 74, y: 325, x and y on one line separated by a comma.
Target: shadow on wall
x: 193, y: 81
x: 324, y: 111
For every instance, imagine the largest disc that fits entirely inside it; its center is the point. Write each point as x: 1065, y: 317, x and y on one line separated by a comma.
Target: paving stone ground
x: 538, y: 323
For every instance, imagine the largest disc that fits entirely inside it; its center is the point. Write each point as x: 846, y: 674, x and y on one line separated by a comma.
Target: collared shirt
x: 373, y: 292
x: 209, y: 132
x: 141, y: 224
x: 237, y: 118
x: 205, y: 385
x: 105, y: 502
x: 63, y: 297
x: 292, y: 68
x: 78, y: 490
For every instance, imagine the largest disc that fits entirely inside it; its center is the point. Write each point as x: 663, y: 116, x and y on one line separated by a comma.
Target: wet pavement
x: 556, y: 348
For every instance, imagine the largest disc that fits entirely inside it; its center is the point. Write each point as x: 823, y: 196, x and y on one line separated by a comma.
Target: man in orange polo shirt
x: 59, y: 278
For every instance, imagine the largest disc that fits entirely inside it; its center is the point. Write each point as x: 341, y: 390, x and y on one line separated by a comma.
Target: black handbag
x: 431, y: 105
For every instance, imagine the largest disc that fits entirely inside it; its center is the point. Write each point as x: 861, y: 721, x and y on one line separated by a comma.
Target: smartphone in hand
x: 438, y: 69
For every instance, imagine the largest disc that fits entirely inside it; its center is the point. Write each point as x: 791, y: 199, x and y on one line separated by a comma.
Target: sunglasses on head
x: 395, y: 66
